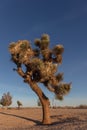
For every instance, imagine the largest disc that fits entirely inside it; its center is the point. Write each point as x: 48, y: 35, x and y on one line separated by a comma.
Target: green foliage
x: 41, y: 64
x: 39, y: 103
x: 21, y: 51
x: 6, y: 99
x: 58, y: 49
x: 59, y: 77
x: 62, y: 89
x: 58, y: 59
x: 37, y: 42
x: 43, y: 43
x: 36, y: 52
x: 59, y: 97
x: 19, y: 104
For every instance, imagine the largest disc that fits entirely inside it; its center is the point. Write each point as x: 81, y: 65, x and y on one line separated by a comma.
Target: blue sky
x: 66, y: 23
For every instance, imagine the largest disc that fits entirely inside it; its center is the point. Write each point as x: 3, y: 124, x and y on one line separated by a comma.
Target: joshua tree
x: 19, y: 104
x: 40, y: 66
x: 6, y: 99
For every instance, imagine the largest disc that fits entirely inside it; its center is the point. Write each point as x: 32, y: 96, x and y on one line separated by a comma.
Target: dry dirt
x: 30, y: 119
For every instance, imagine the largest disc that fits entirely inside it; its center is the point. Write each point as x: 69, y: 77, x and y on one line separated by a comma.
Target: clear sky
x: 66, y: 23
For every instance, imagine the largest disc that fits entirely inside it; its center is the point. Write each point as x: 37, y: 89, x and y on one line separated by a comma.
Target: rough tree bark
x: 44, y: 100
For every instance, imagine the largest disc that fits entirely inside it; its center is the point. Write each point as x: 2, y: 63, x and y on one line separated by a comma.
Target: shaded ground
x: 30, y: 119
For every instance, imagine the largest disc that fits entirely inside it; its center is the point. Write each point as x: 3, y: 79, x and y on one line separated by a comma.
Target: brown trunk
x: 46, y: 112
x: 44, y: 100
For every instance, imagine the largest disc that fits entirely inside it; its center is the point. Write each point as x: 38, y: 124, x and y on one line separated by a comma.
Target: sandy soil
x: 30, y: 119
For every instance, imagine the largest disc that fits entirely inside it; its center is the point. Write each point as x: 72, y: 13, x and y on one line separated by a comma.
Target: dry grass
x: 30, y: 119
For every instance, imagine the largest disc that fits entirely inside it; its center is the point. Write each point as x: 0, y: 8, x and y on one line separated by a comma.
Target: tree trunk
x: 44, y: 100
x: 46, y: 112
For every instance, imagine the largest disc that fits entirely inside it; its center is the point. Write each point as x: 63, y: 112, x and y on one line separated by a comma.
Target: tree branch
x: 20, y: 72
x: 50, y: 88
x: 32, y: 84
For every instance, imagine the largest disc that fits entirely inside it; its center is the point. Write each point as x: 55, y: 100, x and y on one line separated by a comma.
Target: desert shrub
x: 6, y: 99
x: 19, y: 104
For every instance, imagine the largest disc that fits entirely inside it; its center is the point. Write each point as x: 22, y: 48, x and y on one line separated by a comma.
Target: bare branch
x: 20, y: 72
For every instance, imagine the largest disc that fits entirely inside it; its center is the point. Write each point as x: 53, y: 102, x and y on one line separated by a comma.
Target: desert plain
x: 30, y: 119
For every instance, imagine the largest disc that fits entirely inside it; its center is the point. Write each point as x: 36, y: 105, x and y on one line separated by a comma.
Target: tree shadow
x: 66, y: 120
x: 22, y: 117
x: 59, y: 119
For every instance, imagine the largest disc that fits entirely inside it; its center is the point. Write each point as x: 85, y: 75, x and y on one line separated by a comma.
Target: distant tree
x: 19, y: 104
x: 82, y: 106
x: 39, y: 103
x: 6, y: 99
x: 40, y: 66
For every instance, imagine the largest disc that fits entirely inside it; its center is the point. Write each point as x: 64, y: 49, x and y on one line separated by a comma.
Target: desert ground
x: 30, y: 119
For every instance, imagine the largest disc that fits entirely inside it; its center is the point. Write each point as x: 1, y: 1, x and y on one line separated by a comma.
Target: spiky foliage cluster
x: 43, y: 43
x: 21, y: 51
x: 41, y: 63
x: 6, y: 99
x: 61, y: 90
